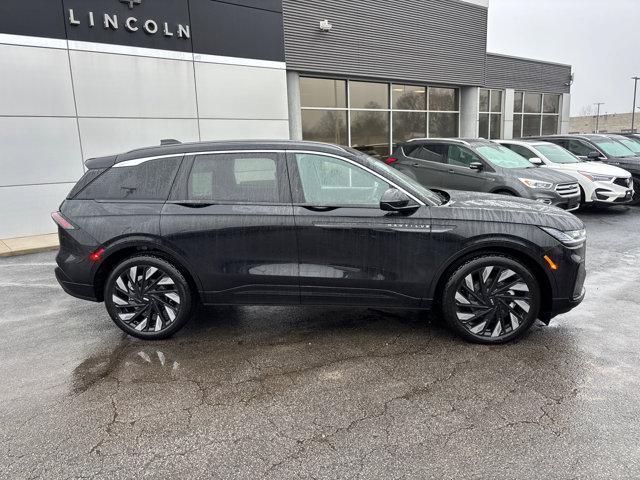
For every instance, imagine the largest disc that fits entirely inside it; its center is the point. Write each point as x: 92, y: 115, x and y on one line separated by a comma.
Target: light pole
x: 598, y: 116
x: 633, y: 112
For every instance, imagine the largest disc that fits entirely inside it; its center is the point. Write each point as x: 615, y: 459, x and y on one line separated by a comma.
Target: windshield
x: 556, y: 154
x: 400, y: 177
x: 614, y: 148
x: 631, y: 144
x: 503, y: 157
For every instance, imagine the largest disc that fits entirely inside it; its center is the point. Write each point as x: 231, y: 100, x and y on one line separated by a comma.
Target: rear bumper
x: 78, y: 290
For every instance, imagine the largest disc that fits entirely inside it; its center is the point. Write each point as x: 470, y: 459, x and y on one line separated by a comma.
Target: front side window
x: 556, y: 154
x: 329, y: 181
x: 522, y: 151
x: 503, y: 157
x: 235, y: 178
x: 460, y: 156
x: 150, y: 180
x: 579, y: 148
x: 614, y: 149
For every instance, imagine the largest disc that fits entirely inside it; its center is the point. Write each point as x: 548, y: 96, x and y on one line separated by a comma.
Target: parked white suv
x: 599, y: 182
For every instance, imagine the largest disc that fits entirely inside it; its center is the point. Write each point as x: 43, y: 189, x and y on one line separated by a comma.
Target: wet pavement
x: 322, y: 393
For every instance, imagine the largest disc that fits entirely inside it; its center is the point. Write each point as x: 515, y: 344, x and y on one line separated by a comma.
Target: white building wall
x: 64, y: 102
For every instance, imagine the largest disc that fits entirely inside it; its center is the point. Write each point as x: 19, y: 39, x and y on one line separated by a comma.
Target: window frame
x: 389, y: 109
x: 522, y: 114
x: 180, y: 194
x: 490, y: 113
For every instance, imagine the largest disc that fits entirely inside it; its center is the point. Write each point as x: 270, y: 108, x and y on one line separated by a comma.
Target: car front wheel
x: 148, y: 298
x: 636, y: 191
x: 491, y: 299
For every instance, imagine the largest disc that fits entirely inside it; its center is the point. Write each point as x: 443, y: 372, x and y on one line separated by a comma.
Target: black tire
x: 148, y: 298
x: 506, y: 193
x: 483, y: 311
x: 636, y: 191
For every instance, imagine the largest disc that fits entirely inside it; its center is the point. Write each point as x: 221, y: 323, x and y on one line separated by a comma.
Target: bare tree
x: 587, y: 111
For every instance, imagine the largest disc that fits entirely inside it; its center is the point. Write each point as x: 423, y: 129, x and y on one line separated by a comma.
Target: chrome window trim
x: 139, y: 161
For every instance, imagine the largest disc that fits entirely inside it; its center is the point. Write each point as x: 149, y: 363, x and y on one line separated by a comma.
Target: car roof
x: 170, y: 148
x: 526, y: 141
x: 470, y: 142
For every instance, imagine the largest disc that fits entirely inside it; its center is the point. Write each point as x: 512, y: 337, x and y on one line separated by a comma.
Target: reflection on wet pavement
x: 322, y: 393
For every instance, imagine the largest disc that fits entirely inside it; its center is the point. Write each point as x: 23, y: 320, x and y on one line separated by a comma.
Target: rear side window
x: 88, y: 177
x: 150, y: 180
x: 235, y: 178
x: 431, y: 153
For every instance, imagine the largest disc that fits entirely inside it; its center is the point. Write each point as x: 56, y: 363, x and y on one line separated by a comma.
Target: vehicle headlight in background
x: 571, y: 238
x: 536, y: 184
x: 597, y: 178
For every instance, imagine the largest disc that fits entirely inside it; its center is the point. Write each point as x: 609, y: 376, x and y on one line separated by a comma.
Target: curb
x: 13, y: 247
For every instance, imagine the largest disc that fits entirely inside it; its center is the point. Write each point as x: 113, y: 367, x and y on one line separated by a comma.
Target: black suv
x: 154, y: 231
x: 612, y: 149
x: 483, y: 166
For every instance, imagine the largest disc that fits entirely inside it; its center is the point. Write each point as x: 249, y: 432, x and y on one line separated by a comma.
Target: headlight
x: 597, y: 178
x: 572, y: 238
x: 536, y: 184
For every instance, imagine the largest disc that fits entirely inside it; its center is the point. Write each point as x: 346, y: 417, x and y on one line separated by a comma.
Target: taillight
x: 391, y: 160
x: 97, y: 255
x: 61, y: 221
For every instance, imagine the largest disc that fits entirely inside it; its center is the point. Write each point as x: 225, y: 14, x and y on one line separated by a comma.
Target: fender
x: 477, y: 244
x: 151, y: 242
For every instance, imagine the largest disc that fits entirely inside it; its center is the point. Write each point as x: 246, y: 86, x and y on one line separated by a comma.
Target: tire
x: 506, y: 193
x: 636, y: 191
x: 476, y: 299
x: 147, y: 297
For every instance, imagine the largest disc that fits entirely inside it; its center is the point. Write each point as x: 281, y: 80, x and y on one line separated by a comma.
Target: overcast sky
x: 600, y: 38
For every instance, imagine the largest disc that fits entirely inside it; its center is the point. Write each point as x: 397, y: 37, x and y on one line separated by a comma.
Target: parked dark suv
x: 605, y: 148
x: 483, y: 166
x: 154, y: 231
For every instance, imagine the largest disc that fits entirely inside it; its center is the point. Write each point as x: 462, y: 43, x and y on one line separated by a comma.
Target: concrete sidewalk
x: 10, y: 247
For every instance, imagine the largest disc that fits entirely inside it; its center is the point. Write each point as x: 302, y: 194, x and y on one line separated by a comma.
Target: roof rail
x: 170, y: 141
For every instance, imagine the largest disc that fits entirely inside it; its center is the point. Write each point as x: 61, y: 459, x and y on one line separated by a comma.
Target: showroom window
x: 535, y: 114
x: 373, y: 116
x: 490, y: 117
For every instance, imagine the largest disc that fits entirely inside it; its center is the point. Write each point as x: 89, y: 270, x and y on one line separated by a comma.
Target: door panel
x: 428, y: 165
x: 351, y: 252
x: 459, y: 176
x: 235, y: 225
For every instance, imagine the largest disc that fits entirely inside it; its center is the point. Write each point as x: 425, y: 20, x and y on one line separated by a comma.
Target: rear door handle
x: 452, y: 171
x: 194, y: 204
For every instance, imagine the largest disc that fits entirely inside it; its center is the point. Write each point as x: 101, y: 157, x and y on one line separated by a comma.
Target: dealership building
x: 86, y: 78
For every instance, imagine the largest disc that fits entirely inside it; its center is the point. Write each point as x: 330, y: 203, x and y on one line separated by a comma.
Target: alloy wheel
x: 146, y: 298
x: 493, y: 301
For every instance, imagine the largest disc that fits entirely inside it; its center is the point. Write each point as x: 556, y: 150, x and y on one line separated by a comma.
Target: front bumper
x: 570, y: 278
x: 611, y: 193
x: 78, y: 290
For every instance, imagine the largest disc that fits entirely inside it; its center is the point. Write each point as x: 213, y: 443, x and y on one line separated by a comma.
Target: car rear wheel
x: 491, y: 299
x: 148, y: 298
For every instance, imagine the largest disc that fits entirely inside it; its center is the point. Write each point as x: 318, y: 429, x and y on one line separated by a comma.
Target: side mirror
x: 477, y: 166
x: 536, y: 161
x: 594, y: 155
x: 393, y: 200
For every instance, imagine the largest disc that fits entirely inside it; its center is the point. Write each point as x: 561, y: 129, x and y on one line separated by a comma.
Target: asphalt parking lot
x: 322, y: 393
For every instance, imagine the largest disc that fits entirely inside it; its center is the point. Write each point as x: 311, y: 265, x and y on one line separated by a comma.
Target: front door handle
x: 314, y: 208
x: 194, y: 204
x: 452, y: 171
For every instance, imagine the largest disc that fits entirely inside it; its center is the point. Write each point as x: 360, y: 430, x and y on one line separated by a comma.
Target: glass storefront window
x: 370, y: 132
x: 371, y: 116
x: 484, y: 100
x: 443, y: 125
x: 443, y: 99
x: 551, y: 104
x: 532, y: 103
x: 531, y: 125
x: 496, y: 101
x: 408, y: 125
x: 323, y: 93
x: 537, y: 114
x: 409, y: 97
x: 483, y: 125
x: 495, y: 127
x: 549, y: 124
x: 369, y: 95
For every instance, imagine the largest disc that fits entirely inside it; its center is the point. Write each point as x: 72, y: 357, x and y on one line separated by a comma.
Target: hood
x: 597, y: 168
x: 486, y: 207
x: 541, y: 173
